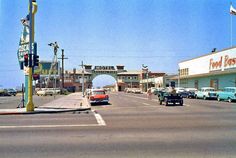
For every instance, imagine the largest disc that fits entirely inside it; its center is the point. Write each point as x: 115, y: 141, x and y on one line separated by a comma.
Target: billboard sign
x: 44, y: 69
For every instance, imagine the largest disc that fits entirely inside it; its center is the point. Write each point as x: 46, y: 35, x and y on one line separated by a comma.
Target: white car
x: 45, y: 92
x: 206, y: 93
x: 153, y: 89
x: 179, y: 89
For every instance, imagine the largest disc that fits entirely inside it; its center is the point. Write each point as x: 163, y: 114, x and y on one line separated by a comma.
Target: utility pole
x: 178, y: 77
x: 82, y: 65
x: 62, y: 69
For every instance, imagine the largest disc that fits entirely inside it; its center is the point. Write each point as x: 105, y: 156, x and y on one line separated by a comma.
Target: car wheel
x: 218, y: 98
x: 160, y: 102
x: 229, y: 100
x: 204, y: 97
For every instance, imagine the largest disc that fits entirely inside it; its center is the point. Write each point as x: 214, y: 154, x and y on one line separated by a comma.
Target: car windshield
x: 209, y: 90
x: 98, y: 92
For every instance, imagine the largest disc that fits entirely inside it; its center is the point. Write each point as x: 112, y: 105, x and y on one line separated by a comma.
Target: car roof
x: 96, y: 90
x: 207, y: 88
x: 230, y: 87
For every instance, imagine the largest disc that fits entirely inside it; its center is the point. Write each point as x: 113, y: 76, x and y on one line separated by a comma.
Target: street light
x: 55, y: 48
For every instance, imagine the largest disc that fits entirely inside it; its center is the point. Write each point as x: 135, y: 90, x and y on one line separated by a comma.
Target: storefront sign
x: 104, y: 68
x: 224, y: 62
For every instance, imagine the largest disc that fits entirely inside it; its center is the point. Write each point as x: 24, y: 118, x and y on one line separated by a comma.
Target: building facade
x: 217, y: 69
x: 124, y: 79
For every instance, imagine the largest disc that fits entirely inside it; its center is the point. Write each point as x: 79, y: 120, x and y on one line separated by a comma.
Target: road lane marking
x: 99, y: 118
x: 146, y: 104
x: 186, y: 105
x: 49, y: 126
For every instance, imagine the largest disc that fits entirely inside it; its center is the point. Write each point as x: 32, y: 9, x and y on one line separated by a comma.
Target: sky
x: 156, y: 33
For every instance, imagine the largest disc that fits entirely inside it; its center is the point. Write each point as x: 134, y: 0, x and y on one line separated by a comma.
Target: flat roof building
x: 216, y: 69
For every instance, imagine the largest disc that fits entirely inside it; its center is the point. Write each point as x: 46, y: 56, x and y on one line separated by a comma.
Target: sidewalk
x: 71, y: 102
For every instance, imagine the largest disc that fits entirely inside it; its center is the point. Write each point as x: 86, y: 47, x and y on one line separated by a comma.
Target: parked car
x: 4, y: 92
x: 179, y: 89
x: 228, y: 94
x: 98, y: 96
x: 136, y: 90
x: 12, y: 91
x: 191, y: 92
x: 45, y: 92
x: 183, y: 94
x: 206, y: 93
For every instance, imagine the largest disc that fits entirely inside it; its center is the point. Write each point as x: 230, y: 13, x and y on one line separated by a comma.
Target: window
x: 214, y: 83
x: 184, y: 72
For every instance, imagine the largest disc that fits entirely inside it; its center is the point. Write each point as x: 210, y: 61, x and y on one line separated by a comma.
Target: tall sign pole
x: 30, y: 104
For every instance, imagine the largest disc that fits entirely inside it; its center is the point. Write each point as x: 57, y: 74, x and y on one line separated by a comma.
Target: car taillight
x: 91, y: 98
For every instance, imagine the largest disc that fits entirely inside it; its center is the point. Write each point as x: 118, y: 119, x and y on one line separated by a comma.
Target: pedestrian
x: 149, y: 94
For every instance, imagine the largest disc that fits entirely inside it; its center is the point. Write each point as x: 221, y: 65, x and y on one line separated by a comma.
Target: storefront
x: 217, y: 69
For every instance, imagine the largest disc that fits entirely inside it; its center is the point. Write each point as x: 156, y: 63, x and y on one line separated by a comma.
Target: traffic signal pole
x: 33, y: 9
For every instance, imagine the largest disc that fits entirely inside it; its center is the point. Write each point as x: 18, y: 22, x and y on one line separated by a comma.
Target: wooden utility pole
x: 62, y: 69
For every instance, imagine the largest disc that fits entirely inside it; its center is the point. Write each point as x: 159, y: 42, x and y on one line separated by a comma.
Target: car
x: 206, y: 93
x: 153, y: 89
x: 157, y: 90
x: 12, y: 91
x: 128, y: 90
x: 170, y: 98
x: 98, y: 96
x: 191, y: 92
x: 136, y: 90
x: 4, y: 92
x: 228, y: 94
x: 179, y: 89
x: 45, y: 92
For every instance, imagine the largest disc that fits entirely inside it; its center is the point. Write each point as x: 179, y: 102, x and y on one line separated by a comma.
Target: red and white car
x: 98, y: 96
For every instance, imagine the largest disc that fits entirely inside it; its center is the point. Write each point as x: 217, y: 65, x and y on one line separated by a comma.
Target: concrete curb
x: 41, y: 111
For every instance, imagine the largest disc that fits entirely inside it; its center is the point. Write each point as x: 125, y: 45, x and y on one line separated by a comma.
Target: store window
x: 214, y: 83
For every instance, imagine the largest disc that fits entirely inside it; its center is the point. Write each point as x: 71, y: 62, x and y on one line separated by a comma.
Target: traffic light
x: 26, y: 60
x: 36, y: 76
x: 36, y: 60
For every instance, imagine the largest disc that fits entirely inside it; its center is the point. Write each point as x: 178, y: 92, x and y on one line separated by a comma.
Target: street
x: 130, y: 126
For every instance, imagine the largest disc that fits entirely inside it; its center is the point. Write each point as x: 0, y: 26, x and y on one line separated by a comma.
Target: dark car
x: 184, y: 94
x: 169, y: 98
x: 11, y: 91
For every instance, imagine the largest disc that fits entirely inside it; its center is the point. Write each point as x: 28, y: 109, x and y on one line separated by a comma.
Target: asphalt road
x: 131, y: 126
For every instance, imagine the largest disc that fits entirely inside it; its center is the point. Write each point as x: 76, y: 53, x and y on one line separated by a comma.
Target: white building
x: 217, y: 69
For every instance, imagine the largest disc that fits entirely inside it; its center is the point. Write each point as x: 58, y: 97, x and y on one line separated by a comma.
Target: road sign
x: 24, y: 45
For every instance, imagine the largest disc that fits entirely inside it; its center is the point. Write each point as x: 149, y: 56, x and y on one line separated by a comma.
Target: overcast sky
x: 157, y: 33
